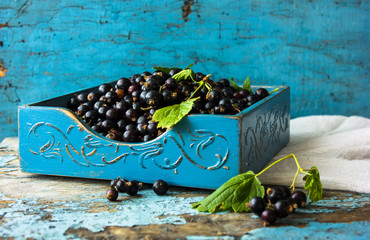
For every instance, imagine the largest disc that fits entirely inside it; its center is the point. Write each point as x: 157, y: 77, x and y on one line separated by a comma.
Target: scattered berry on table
x: 160, y: 187
x: 112, y: 194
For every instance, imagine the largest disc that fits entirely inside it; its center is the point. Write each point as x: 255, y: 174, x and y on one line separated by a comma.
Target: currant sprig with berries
x: 239, y: 190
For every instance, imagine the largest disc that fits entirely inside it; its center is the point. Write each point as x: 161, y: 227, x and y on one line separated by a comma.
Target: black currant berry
x: 93, y: 96
x: 199, y: 76
x: 113, y: 114
x: 103, y: 110
x: 171, y: 84
x: 152, y: 98
x: 130, y: 136
x: 132, y: 88
x: 148, y: 137
x: 123, y: 83
x: 112, y: 194
x: 274, y: 194
x: 122, y: 106
x: 152, y: 128
x: 160, y: 187
x: 104, y: 88
x: 82, y: 97
x: 261, y: 93
x: 133, y: 188
x: 283, y: 208
x: 298, y: 198
x: 91, y: 116
x: 111, y: 97
x: 268, y: 216
x: 214, y: 96
x: 257, y: 205
x: 82, y: 110
x: 225, y: 105
x: 99, y: 104
x: 174, y: 71
x: 131, y: 115
x: 121, y: 185
x: 121, y: 124
x: 72, y: 103
x: 114, y: 182
x: 223, y: 83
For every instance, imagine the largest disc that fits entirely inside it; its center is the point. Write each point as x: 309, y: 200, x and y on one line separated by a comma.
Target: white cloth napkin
x: 338, y: 146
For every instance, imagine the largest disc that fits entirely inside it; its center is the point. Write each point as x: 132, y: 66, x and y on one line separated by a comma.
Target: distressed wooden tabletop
x: 48, y: 207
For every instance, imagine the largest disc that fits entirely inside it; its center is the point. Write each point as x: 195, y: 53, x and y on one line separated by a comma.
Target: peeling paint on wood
x: 318, y: 48
x: 48, y: 207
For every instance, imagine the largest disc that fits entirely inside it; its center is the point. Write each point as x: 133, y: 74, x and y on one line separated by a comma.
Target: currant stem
x: 300, y: 169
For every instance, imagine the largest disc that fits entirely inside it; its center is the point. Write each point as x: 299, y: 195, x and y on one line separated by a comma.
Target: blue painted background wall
x: 319, y: 47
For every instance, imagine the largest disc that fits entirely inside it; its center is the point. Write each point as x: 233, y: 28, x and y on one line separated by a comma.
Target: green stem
x: 275, y: 90
x: 201, y: 84
x: 299, y: 168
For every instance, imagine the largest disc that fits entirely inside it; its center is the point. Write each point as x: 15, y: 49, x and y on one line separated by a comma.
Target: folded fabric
x: 338, y: 146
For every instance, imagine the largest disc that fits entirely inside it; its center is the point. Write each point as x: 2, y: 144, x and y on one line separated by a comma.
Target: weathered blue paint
x: 194, y: 153
x: 314, y: 230
x: 319, y: 48
x: 65, y: 214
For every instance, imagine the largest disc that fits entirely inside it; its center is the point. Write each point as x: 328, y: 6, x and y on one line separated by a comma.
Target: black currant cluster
x: 279, y: 202
x: 119, y: 185
x: 123, y: 111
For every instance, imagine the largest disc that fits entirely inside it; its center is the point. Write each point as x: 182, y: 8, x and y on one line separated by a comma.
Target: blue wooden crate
x: 200, y: 151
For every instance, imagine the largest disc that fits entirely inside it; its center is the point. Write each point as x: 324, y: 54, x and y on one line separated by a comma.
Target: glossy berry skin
x: 257, y: 205
x: 91, y: 116
x: 133, y: 188
x: 131, y: 115
x: 113, y: 114
x: 93, y: 96
x: 174, y: 71
x: 121, y: 185
x: 82, y: 97
x: 114, y: 182
x: 283, y: 208
x: 274, y: 194
x: 268, y: 216
x: 214, y: 96
x: 82, y: 110
x: 112, y: 194
x: 261, y: 93
x: 160, y: 187
x: 123, y: 83
x: 104, y: 88
x: 298, y: 198
x: 130, y: 136
x: 171, y: 84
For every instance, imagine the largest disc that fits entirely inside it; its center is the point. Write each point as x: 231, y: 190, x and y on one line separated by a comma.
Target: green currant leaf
x: 247, y: 85
x: 245, y: 192
x: 163, y: 69
x: 184, y: 75
x: 234, y: 85
x: 170, y: 115
x: 313, y: 184
x: 232, y: 195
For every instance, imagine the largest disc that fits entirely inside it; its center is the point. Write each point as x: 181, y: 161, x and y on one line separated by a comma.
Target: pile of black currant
x: 118, y: 185
x: 123, y: 110
x: 278, y: 202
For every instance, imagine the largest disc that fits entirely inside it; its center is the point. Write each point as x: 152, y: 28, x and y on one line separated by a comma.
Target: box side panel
x: 200, y: 151
x: 265, y: 131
